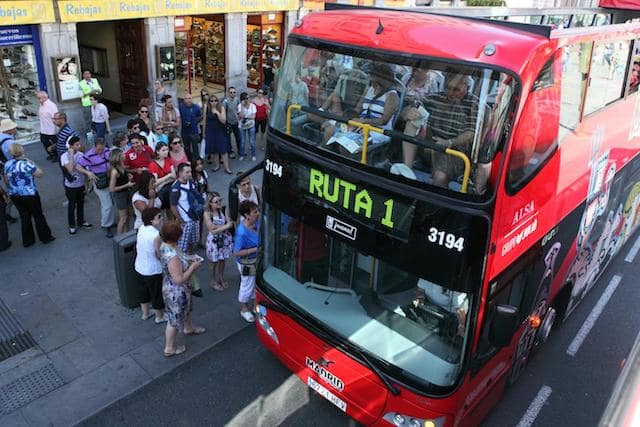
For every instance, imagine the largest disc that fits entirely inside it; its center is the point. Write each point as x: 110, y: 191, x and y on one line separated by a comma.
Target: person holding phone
x: 178, y: 270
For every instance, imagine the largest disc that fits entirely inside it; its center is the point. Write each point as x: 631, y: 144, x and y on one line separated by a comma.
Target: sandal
x: 196, y: 331
x: 215, y: 169
x: 224, y: 284
x: 176, y: 351
x: 228, y: 171
x: 216, y: 286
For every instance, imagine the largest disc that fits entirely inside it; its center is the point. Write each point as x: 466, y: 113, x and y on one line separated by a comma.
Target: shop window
x: 19, y: 82
x: 606, y: 78
x: 634, y: 74
x: 207, y: 45
x: 264, y: 48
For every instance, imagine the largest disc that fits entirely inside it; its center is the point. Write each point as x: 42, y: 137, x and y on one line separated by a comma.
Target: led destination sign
x: 358, y: 201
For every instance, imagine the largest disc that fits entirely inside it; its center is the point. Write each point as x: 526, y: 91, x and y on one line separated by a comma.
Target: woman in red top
x: 262, y: 116
x: 164, y: 171
x: 177, y: 153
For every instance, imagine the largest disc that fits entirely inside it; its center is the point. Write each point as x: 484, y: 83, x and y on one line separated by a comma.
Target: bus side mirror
x: 503, y: 325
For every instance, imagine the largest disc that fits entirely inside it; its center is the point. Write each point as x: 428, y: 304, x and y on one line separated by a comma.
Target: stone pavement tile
x: 23, y: 369
x: 48, y: 325
x: 87, y: 394
x: 83, y: 354
x: 64, y: 365
x: 19, y: 359
x: 14, y: 419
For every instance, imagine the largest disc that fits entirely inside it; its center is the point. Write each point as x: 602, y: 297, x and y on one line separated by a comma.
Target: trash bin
x: 124, y: 256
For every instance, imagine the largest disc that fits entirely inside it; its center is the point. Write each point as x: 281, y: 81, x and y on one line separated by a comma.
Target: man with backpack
x: 187, y: 205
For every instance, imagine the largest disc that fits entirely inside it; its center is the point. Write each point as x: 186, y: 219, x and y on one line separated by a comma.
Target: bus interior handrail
x: 366, y: 128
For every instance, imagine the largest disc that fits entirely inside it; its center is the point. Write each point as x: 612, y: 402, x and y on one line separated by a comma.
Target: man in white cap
x: 8, y: 129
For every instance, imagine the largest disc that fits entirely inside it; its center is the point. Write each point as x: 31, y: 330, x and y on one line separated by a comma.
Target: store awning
x: 26, y: 12
x: 107, y: 10
x: 620, y: 4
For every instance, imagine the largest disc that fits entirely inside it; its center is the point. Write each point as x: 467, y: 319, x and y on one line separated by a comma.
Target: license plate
x: 322, y: 391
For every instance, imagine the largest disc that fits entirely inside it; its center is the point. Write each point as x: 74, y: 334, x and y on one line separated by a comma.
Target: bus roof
x: 425, y: 34
x: 620, y: 4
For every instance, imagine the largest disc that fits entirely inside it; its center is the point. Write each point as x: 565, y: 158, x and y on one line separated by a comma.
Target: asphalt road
x: 239, y: 383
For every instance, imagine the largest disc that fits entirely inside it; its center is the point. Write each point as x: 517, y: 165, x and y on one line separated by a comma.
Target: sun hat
x: 7, y: 124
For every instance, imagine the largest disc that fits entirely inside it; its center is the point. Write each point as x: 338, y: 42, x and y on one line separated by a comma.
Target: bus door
x: 498, y: 358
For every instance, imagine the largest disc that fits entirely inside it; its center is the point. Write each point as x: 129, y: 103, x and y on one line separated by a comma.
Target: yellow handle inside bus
x: 367, y: 128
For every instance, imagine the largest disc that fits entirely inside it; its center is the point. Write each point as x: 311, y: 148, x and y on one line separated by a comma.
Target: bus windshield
x: 390, y: 313
x: 424, y: 121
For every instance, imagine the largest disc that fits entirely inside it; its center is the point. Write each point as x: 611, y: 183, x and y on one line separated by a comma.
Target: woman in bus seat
x: 378, y: 106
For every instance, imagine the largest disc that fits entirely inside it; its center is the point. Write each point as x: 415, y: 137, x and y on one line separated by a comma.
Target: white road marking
x: 633, y: 251
x: 593, y: 316
x: 535, y: 407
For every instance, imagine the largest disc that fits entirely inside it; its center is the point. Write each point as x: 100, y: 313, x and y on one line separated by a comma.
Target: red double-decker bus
x: 438, y: 192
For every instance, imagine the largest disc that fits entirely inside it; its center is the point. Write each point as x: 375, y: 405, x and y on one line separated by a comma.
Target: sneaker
x: 162, y: 319
x: 241, y: 158
x: 246, y: 315
x: 253, y: 159
x: 107, y: 232
x: 232, y: 155
x: 73, y: 230
x: 86, y: 225
x: 65, y: 203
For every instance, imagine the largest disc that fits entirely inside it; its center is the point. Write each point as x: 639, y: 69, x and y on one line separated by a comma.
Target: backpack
x: 3, y: 158
x: 195, y: 199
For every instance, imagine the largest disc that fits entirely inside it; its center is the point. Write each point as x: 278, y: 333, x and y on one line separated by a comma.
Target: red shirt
x: 135, y: 160
x: 154, y: 167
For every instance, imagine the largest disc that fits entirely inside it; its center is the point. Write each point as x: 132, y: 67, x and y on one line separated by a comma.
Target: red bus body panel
x: 520, y: 220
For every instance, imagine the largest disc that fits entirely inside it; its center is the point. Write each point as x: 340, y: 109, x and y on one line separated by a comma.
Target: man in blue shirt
x: 191, y: 115
x: 8, y: 129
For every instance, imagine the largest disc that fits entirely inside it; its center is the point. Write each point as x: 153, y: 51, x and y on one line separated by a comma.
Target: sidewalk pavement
x: 89, y: 350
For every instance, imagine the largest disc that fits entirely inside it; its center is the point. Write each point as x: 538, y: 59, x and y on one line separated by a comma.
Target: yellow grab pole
x: 289, y: 111
x: 467, y: 167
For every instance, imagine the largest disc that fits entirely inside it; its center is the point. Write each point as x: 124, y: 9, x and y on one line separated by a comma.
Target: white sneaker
x: 253, y: 159
x: 162, y: 319
x: 241, y: 158
x: 246, y: 315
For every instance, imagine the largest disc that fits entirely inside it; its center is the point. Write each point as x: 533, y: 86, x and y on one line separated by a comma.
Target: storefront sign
x: 103, y: 10
x: 67, y: 77
x: 15, y: 35
x: 26, y: 12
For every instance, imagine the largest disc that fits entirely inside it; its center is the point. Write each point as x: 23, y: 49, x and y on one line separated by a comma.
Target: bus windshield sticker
x: 341, y: 228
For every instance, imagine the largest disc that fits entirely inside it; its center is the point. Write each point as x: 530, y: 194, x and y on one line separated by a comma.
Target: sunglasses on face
x: 233, y: 92
x: 216, y: 201
x: 260, y: 92
x: 175, y: 142
x: 144, y: 111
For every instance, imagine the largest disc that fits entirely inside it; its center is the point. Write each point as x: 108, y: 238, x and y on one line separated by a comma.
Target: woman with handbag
x: 164, y: 171
x: 247, y: 115
x: 97, y: 161
x: 119, y: 185
x: 245, y: 249
x: 219, y: 239
x: 217, y: 141
x: 178, y: 270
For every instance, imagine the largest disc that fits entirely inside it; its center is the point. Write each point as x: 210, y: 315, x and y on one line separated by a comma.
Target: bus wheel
x: 545, y: 329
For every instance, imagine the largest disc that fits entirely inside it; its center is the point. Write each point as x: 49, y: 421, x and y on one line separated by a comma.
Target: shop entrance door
x: 132, y: 63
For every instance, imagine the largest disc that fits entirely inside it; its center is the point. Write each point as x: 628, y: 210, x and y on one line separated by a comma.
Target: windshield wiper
x: 361, y: 354
x: 392, y: 389
x: 330, y: 289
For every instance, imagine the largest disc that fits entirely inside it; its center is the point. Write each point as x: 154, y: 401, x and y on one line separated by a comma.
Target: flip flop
x: 215, y: 286
x: 196, y: 331
x: 224, y: 284
x: 178, y: 350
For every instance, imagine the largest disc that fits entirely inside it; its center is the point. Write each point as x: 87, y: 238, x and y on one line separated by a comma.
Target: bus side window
x: 634, y: 73
x: 535, y: 137
x: 606, y: 75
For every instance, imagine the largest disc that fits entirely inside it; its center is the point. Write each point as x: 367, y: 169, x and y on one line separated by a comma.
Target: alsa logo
x: 523, y: 212
x: 325, y: 375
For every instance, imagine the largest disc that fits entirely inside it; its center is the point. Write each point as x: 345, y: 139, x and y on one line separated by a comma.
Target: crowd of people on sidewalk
x: 156, y: 174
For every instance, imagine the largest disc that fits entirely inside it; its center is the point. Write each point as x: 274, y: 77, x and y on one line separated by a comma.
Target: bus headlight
x: 261, y: 315
x: 401, y: 420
